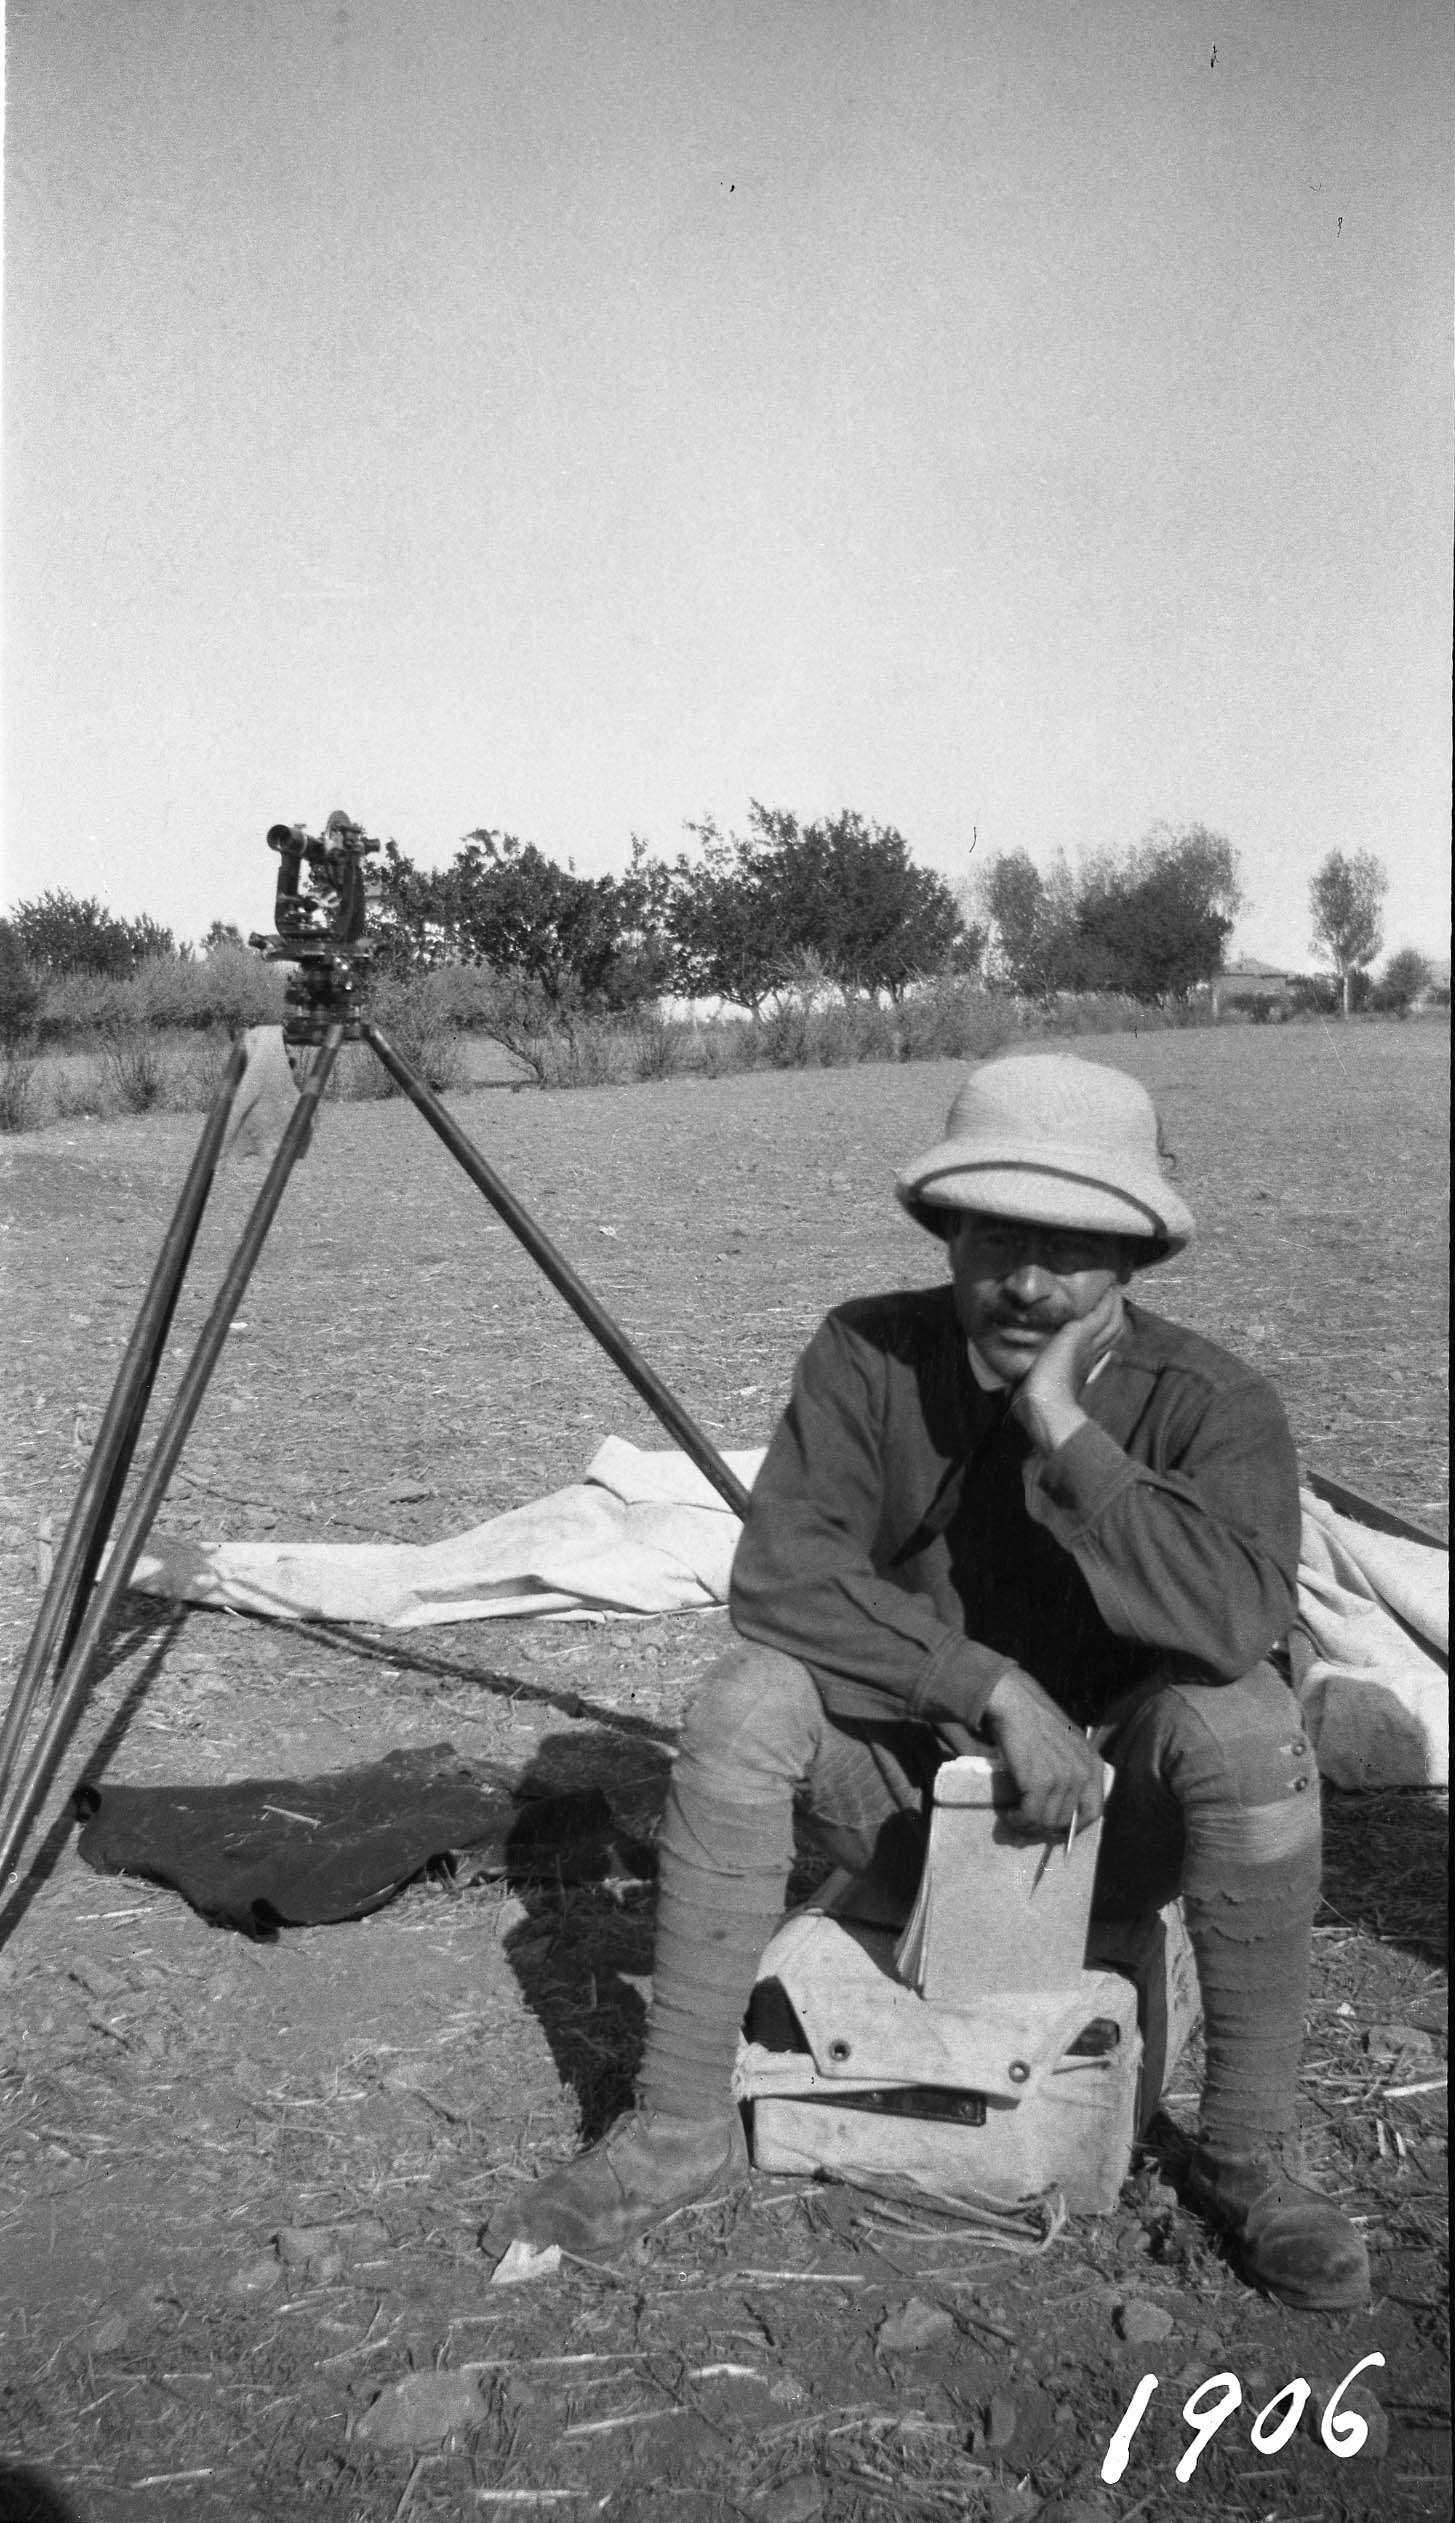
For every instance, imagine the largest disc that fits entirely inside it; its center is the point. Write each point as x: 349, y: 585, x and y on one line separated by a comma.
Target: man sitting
x: 1014, y: 1508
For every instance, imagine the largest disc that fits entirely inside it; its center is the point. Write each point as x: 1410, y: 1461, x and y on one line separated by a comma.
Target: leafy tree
x: 736, y: 921
x: 646, y: 964
x: 1154, y: 920
x: 582, y: 942
x: 59, y: 934
x: 1030, y: 926
x: 1404, y: 978
x: 840, y: 891
x: 720, y: 923
x: 19, y: 990
x: 148, y: 940
x: 406, y: 926
x: 1346, y: 898
x: 221, y: 935
x: 849, y: 892
x: 1151, y: 921
x: 1323, y: 993
x: 506, y: 904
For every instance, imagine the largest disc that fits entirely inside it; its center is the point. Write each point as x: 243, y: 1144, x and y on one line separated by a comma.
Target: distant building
x: 1250, y: 979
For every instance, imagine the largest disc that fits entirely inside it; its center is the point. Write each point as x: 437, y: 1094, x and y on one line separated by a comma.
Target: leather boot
x: 1289, y: 2240
x: 642, y: 2171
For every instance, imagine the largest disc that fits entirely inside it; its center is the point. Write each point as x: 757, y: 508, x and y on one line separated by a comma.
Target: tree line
x: 737, y: 920
x: 839, y: 899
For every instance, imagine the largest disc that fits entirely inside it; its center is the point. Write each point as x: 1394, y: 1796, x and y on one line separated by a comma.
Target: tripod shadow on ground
x: 582, y: 1950
x: 141, y: 1626
x: 403, y: 1653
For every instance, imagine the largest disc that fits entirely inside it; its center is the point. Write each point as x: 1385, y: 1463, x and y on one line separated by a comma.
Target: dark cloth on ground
x: 265, y: 1853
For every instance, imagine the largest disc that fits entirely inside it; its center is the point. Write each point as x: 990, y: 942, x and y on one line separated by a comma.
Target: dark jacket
x: 907, y: 1544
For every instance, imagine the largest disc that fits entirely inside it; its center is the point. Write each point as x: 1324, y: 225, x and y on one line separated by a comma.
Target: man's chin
x: 1013, y: 1354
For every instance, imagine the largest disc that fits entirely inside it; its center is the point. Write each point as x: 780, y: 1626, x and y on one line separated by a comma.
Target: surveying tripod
x: 321, y: 914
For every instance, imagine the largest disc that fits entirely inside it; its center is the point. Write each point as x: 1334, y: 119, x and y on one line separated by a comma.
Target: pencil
x: 1070, y: 1836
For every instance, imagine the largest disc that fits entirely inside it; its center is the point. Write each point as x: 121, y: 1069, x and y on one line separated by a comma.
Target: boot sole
x: 1352, y: 2298
x: 601, y: 2255
x: 729, y: 2181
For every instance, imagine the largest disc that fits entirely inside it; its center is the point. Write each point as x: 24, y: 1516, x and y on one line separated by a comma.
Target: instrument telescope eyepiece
x: 320, y: 894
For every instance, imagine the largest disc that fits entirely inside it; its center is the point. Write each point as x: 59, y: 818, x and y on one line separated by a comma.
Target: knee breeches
x: 1215, y: 1782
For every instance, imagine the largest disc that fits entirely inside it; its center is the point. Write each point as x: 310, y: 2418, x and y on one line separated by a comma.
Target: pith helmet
x: 1059, y: 1141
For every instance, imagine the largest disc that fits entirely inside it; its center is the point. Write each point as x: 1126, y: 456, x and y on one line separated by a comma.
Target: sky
x: 1019, y: 423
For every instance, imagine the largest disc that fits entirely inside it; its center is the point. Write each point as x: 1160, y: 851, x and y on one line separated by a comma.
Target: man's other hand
x: 1056, y: 1771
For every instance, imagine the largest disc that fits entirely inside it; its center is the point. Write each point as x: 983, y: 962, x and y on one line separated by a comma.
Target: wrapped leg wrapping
x: 1251, y: 1934
x: 724, y: 1872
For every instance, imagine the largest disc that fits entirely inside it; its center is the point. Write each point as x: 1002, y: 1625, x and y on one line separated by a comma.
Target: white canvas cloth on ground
x: 1375, y: 1608
x: 646, y: 1532
x: 643, y: 1532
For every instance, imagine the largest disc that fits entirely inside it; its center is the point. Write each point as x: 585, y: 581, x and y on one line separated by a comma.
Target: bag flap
x: 864, y: 2027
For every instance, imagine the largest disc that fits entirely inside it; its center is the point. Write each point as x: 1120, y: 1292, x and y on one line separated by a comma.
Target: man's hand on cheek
x: 1047, y: 1400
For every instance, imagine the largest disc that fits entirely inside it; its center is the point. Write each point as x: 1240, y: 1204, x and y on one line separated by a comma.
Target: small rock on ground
x: 1359, y: 2402
x: 796, y: 2500
x: 422, y: 2409
x: 914, y: 2326
x: 256, y: 2277
x: 1007, y: 2502
x: 1139, y: 2320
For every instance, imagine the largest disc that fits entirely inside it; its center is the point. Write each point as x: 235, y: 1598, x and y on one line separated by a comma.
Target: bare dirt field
x: 175, y: 2098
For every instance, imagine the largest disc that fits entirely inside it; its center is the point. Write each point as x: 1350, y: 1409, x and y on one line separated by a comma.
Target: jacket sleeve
x: 1198, y: 1562
x: 804, y: 1580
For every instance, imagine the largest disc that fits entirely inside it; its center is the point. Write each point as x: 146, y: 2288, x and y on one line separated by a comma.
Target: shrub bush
x: 853, y: 1029
x: 1098, y: 1012
x: 135, y: 1068
x: 590, y: 1051
x: 78, y: 1091
x: 195, y: 1071
x: 784, y: 1032
x: 160, y: 1035
x: 232, y: 988
x: 1251, y: 1007
x: 79, y: 1007
x: 359, y: 1077
x: 720, y: 1048
x: 19, y: 989
x: 953, y: 1019
x: 415, y: 1015
x: 659, y: 1046
x: 19, y: 1102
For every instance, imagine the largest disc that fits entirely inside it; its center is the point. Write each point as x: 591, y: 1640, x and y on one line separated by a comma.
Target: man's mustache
x: 1032, y: 1318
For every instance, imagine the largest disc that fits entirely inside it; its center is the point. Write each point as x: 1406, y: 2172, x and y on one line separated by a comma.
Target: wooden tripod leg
x: 72, y: 1678
x: 102, y: 1482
